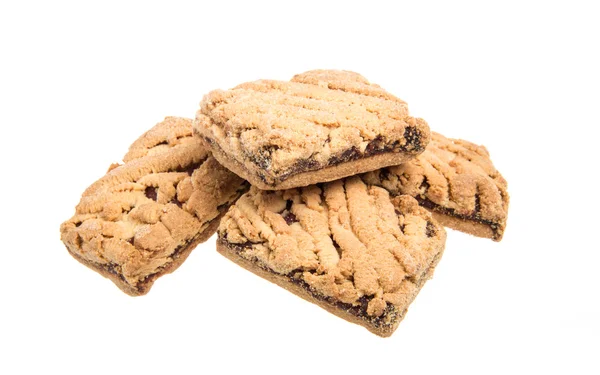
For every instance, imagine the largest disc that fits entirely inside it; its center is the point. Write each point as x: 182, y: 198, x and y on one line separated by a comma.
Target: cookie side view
x: 143, y: 218
x: 457, y: 182
x: 320, y: 126
x: 344, y: 245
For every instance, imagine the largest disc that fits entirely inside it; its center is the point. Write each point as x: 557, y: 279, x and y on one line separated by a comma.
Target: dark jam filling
x: 387, y: 319
x: 290, y: 218
x: 430, y: 230
x: 377, y: 146
x: 413, y: 138
x: 189, y: 169
x: 112, y: 269
x: 390, y: 315
x: 176, y: 202
x: 450, y: 212
x: 287, y: 215
x: 151, y: 193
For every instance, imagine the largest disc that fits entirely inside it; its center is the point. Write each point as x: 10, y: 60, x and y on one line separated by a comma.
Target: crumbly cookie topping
x: 313, y: 119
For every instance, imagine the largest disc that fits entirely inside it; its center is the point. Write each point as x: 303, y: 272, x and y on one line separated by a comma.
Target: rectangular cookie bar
x: 456, y: 181
x: 344, y: 245
x: 143, y: 218
x: 320, y: 126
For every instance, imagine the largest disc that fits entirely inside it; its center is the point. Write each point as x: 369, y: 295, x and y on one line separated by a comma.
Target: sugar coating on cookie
x: 320, y: 126
x: 344, y: 245
x: 457, y: 181
x: 143, y: 218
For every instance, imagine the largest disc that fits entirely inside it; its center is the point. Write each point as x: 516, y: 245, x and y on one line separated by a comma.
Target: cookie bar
x: 343, y: 245
x: 456, y: 181
x: 320, y: 126
x: 143, y: 218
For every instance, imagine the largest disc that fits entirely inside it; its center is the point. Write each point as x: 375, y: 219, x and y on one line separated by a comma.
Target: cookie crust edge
x: 145, y: 285
x: 302, y: 179
x: 286, y: 283
x: 468, y: 226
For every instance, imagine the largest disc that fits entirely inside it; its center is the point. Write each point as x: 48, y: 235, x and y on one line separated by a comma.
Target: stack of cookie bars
x: 324, y: 185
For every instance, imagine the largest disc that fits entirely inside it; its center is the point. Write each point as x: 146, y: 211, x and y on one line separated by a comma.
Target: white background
x: 79, y: 83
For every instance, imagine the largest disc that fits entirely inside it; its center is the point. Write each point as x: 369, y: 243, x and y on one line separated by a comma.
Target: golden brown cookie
x: 343, y: 245
x: 320, y: 126
x: 143, y: 218
x: 456, y: 181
